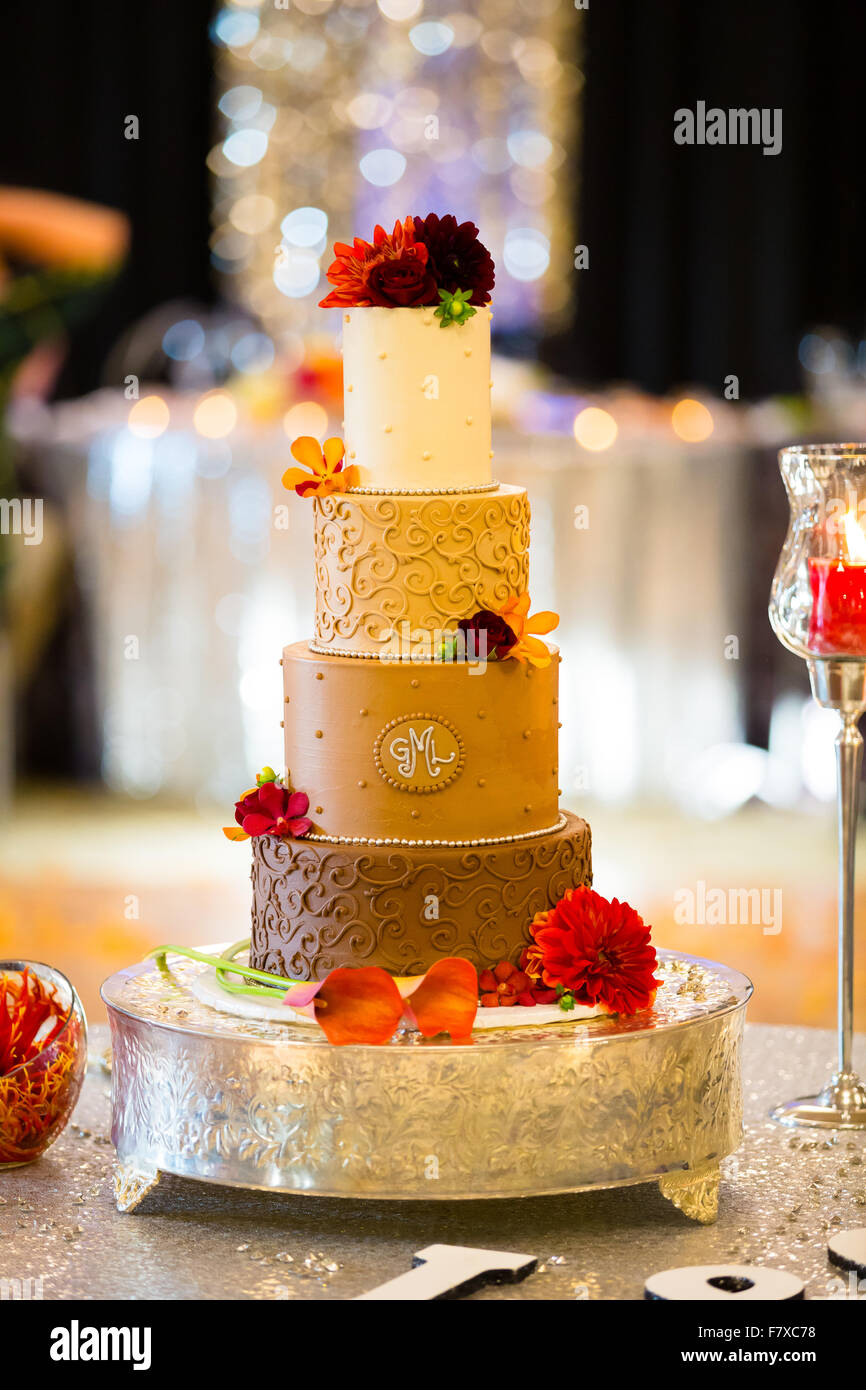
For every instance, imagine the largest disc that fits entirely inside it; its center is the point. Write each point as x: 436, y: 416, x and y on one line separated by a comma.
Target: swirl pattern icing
x: 428, y: 561
x: 320, y: 906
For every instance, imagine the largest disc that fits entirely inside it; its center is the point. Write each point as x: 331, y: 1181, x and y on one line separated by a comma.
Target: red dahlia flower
x: 599, y: 950
x: 274, y: 810
x: 457, y: 259
x: 390, y: 271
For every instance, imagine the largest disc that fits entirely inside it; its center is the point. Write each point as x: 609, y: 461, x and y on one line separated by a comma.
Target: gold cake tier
x: 388, y: 565
x: 317, y: 906
x: 430, y: 752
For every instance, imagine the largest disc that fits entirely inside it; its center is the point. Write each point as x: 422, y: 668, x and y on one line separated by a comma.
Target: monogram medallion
x: 419, y: 753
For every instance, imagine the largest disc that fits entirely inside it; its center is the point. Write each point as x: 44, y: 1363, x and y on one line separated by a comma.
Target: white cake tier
x: 417, y: 398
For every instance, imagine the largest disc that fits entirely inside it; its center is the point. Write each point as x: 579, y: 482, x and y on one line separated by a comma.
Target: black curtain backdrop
x: 711, y: 260
x: 703, y: 260
x: 72, y: 73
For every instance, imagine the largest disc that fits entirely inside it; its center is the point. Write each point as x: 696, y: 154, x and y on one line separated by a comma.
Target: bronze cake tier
x: 422, y: 750
x: 318, y: 905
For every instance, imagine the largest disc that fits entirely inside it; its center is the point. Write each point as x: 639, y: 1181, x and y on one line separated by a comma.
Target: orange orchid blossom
x: 364, y: 1004
x: 526, y: 629
x: 325, y: 463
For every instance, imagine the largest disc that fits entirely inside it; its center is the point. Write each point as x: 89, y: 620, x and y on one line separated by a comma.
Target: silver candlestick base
x: 840, y: 685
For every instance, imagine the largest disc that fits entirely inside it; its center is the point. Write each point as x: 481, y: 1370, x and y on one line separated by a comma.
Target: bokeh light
x: 383, y: 167
x: 305, y: 227
x: 245, y: 147
x: 526, y: 253
x: 308, y: 417
x: 691, y: 421
x: 148, y: 417
x: 431, y: 38
x: 183, y: 341
x: 595, y: 429
x: 400, y: 10
x: 216, y: 415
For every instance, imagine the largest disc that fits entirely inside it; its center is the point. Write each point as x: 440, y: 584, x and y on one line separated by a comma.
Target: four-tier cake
x: 421, y: 720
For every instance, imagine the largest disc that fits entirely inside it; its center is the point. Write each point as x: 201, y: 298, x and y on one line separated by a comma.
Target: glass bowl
x: 38, y: 1094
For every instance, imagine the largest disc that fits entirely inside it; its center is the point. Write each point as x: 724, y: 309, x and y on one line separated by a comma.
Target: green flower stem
x: 225, y: 962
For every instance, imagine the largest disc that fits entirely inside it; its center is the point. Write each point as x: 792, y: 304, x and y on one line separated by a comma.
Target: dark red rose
x: 402, y: 281
x: 500, y: 638
x: 457, y: 259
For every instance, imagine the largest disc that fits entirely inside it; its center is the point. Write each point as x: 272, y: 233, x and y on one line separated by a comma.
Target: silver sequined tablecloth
x: 782, y: 1195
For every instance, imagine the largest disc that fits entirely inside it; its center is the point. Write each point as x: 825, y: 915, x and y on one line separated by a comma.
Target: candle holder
x: 818, y: 611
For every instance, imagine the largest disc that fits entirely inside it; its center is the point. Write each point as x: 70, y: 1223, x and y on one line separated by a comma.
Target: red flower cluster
x: 598, y: 950
x: 409, y: 266
x: 273, y: 810
x: 499, y: 636
x: 506, y: 985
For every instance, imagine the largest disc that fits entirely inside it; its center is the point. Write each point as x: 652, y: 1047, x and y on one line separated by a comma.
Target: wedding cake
x: 418, y: 817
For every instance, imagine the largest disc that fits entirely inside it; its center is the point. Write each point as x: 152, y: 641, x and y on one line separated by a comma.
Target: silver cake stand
x: 519, y: 1112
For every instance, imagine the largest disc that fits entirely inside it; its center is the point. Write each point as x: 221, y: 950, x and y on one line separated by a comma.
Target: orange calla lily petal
x: 308, y: 451
x: 446, y: 1000
x: 332, y: 452
x: 361, y: 1005
x: 234, y: 832
x: 542, y: 622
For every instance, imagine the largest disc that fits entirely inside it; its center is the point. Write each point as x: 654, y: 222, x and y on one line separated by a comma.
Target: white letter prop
x: 720, y: 1283
x: 452, y: 1271
x: 847, y: 1250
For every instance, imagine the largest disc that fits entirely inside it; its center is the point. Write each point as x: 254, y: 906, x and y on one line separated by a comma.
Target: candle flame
x: 855, y: 540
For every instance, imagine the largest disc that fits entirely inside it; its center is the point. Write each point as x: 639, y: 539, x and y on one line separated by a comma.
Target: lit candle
x: 837, y: 626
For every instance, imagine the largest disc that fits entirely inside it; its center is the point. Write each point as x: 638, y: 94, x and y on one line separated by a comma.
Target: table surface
x: 783, y: 1194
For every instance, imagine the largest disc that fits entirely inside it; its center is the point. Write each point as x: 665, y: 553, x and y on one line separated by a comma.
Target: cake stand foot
x: 695, y: 1191
x: 132, y: 1182
x: 841, y: 1105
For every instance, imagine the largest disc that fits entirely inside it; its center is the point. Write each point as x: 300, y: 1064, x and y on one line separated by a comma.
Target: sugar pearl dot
x: 469, y: 419
x: 362, y: 783
x: 350, y: 388
x: 382, y: 356
x: 352, y: 454
x: 490, y: 383
x: 482, y: 782
x: 491, y: 454
x: 526, y: 733
x: 319, y: 810
x: 467, y: 352
x: 426, y: 454
x: 319, y: 676
x: 415, y: 815
x: 319, y: 734
x: 347, y: 318
x: 482, y: 714
x: 527, y: 808
x: 414, y: 684
x: 427, y: 320
x: 388, y: 429
x: 287, y: 700
x: 282, y: 725
x: 363, y: 711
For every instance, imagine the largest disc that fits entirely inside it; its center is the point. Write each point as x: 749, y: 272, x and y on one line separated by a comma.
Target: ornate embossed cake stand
x: 519, y: 1112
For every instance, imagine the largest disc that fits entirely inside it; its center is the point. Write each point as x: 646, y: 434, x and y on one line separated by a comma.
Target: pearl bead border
x: 437, y: 844
x: 419, y: 491
x: 406, y: 786
x: 385, y: 657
